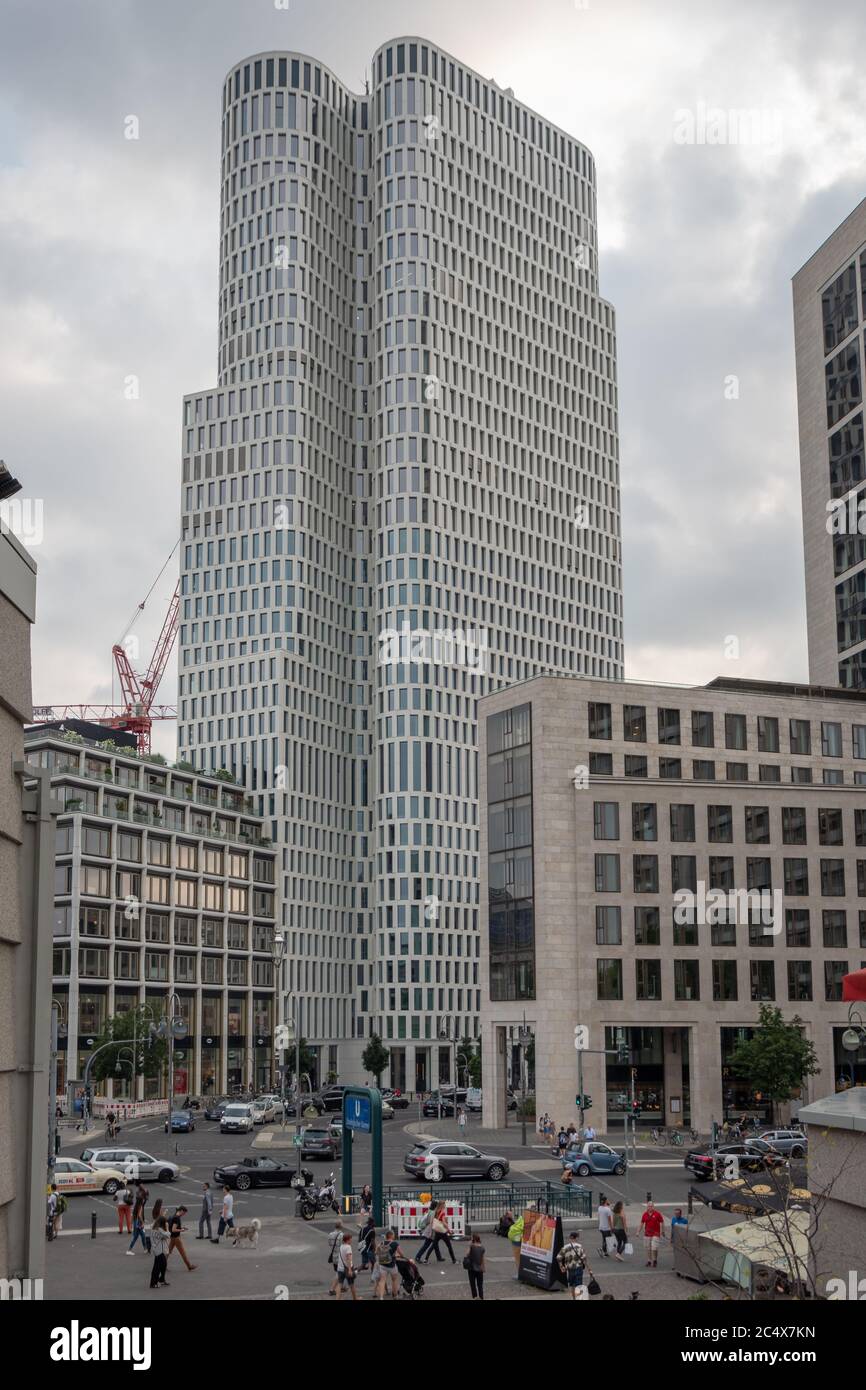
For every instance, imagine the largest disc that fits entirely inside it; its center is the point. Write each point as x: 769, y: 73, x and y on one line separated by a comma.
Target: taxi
x: 72, y: 1175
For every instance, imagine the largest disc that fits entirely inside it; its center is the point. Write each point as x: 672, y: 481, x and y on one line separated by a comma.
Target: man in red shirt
x: 652, y: 1222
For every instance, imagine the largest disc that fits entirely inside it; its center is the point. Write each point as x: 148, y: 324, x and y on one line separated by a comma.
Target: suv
x: 320, y: 1142
x: 236, y: 1119
x: 331, y: 1098
x: 792, y: 1142
x: 135, y: 1163
x: 436, y: 1160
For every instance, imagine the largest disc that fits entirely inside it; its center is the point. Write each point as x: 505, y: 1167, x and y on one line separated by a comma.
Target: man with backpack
x: 346, y: 1267
x: 572, y: 1261
x: 124, y: 1200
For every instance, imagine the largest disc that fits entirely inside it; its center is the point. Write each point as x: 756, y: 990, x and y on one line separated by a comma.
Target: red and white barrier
x: 404, y: 1217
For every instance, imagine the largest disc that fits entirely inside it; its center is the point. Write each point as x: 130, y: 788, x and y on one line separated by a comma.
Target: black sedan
x: 260, y: 1171
x: 214, y: 1108
x: 433, y: 1107
x: 730, y: 1160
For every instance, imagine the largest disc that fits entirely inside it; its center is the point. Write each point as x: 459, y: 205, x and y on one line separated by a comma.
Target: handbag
x: 628, y: 1248
x: 593, y: 1287
x: 467, y: 1263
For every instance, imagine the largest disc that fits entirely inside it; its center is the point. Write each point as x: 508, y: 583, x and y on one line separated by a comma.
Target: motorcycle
x: 311, y: 1203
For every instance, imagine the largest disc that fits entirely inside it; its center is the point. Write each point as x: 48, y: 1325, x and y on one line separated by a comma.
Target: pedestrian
x: 368, y: 1244
x: 503, y: 1226
x: 346, y: 1268
x: 652, y: 1222
x: 227, y: 1220
x: 473, y: 1263
x: 138, y: 1227
x: 386, y: 1259
x: 425, y: 1229
x: 562, y: 1141
x: 51, y: 1211
x: 441, y: 1232
x: 335, y: 1239
x: 159, y: 1239
x: 111, y: 1125
x: 571, y: 1131
x: 515, y: 1235
x: 678, y: 1221
x: 124, y: 1200
x: 589, y: 1133
x: 176, y: 1229
x: 461, y: 1119
x: 206, y: 1213
x: 605, y: 1223
x: 366, y: 1198
x: 572, y: 1262
x: 620, y: 1229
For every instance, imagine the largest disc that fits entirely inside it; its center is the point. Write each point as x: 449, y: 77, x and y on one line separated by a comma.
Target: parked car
x: 387, y: 1110
x: 263, y: 1110
x: 133, y: 1163
x: 396, y: 1099
x: 438, y: 1160
x: 752, y: 1156
x: 71, y: 1175
x: 237, y: 1118
x: 792, y: 1142
x: 321, y: 1142
x: 331, y: 1098
x: 258, y: 1171
x: 433, y: 1107
x: 474, y: 1098
x: 182, y: 1122
x: 594, y: 1157
x: 276, y: 1103
x: 214, y: 1108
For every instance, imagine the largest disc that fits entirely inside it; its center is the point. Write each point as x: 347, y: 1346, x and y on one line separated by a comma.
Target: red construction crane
x: 138, y: 710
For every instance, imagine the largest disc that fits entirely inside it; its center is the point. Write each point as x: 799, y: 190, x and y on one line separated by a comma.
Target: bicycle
x: 675, y: 1138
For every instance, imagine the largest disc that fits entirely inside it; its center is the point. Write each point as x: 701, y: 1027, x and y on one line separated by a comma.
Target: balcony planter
x: 74, y: 803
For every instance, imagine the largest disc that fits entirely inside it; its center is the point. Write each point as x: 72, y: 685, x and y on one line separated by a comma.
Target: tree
x: 471, y: 1052
x: 375, y: 1058
x: 777, y: 1058
x: 123, y: 1027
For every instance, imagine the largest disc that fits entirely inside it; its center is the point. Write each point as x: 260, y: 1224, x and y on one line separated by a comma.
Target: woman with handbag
x: 440, y: 1232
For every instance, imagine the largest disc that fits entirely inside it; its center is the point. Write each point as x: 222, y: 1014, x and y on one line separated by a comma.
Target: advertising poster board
x: 542, y: 1242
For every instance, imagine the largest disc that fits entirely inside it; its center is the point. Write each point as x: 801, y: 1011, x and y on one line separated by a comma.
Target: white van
x: 237, y: 1119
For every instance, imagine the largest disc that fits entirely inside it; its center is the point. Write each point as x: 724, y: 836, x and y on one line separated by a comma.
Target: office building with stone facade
x: 604, y: 800
x: 830, y: 344
x: 164, y: 885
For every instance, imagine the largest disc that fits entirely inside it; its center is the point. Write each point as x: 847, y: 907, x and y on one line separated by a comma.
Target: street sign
x: 296, y: 1140
x: 357, y: 1114
x: 581, y: 1038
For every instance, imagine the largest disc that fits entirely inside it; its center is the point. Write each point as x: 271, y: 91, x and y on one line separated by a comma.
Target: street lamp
x: 171, y: 1027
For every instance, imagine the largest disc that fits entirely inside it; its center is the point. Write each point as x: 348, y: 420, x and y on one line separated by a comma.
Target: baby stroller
x: 412, y: 1285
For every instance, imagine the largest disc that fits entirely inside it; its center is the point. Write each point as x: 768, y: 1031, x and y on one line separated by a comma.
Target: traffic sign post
x: 362, y: 1114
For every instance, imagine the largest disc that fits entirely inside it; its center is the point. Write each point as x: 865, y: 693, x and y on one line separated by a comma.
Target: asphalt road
x: 656, y: 1171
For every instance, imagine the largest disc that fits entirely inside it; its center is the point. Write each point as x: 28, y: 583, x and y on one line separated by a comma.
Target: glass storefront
x: 646, y: 1056
x: 738, y: 1098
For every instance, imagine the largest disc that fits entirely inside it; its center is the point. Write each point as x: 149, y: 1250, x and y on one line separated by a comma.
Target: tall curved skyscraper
x: 403, y: 493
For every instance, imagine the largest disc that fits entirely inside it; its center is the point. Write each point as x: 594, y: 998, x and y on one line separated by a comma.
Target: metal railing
x: 488, y: 1201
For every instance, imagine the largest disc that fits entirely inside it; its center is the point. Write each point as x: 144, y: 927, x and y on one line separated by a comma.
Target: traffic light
x: 635, y: 1109
x: 622, y: 1054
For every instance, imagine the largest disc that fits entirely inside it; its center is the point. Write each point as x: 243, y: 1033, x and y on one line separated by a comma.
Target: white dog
x: 246, y: 1235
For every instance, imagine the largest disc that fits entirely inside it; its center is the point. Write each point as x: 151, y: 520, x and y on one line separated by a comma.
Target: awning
x: 781, y: 1242
x: 854, y: 986
x: 740, y: 1195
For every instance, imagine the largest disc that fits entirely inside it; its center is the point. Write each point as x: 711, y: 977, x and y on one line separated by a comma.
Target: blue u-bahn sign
x: 357, y: 1113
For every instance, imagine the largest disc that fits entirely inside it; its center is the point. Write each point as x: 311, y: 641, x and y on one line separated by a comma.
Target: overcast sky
x: 108, y: 268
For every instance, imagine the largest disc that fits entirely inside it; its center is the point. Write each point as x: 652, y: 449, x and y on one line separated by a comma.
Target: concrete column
x: 493, y: 1054
x: 673, y: 1075
x: 705, y: 1076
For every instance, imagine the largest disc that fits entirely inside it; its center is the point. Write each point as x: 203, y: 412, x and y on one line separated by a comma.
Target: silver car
x: 135, y: 1163
x: 436, y: 1160
x: 790, y: 1142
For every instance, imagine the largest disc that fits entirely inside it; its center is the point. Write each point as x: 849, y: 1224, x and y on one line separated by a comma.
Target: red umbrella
x: 854, y: 986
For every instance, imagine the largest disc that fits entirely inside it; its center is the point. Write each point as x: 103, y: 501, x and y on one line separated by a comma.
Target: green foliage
x: 223, y: 775
x: 778, y: 1057
x: 151, y: 1059
x: 183, y: 766
x: 469, y: 1058
x: 375, y: 1058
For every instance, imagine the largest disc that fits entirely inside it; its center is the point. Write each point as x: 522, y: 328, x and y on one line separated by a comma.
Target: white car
x: 71, y: 1175
x: 133, y: 1163
x: 263, y: 1110
x: 237, y: 1119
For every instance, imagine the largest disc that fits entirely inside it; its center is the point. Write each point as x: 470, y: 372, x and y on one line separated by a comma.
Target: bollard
x: 93, y: 1225
x: 691, y: 1203
x: 649, y: 1196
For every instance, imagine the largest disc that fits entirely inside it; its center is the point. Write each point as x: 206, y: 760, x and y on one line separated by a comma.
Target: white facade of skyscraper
x: 414, y: 431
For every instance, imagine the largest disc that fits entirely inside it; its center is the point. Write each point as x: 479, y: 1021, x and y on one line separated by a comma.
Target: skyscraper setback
x: 402, y: 494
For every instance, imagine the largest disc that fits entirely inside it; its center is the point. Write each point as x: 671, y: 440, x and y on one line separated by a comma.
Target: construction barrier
x: 404, y: 1217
